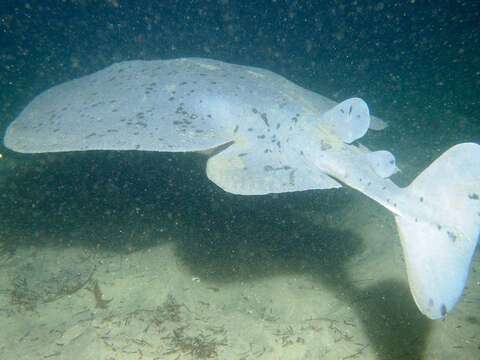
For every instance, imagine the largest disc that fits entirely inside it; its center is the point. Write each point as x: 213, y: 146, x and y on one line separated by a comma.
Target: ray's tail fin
x: 438, y: 255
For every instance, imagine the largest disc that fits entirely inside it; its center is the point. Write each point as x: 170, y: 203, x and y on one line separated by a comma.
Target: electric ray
x: 271, y: 136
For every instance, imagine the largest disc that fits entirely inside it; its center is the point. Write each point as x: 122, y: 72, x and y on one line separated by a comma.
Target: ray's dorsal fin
x: 349, y: 120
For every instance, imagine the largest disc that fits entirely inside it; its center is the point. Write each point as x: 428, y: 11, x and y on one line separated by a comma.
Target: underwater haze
x: 125, y: 254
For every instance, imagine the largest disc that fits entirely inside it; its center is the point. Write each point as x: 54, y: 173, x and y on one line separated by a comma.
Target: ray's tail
x: 438, y: 255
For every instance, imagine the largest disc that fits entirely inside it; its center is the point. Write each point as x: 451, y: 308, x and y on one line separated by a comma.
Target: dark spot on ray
x: 443, y: 310
x: 236, y: 129
x: 350, y: 109
x: 439, y: 227
x: 278, y: 126
x: 473, y: 196
x: 271, y: 168
x: 430, y: 302
x: 452, y: 236
x: 90, y: 135
x: 242, y: 154
x: 261, y: 137
x: 421, y: 198
x: 254, y: 110
x: 265, y: 119
x: 249, y: 129
x: 171, y: 98
x: 198, y: 131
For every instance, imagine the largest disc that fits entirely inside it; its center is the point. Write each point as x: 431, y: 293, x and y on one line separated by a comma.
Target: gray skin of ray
x: 198, y: 104
x: 268, y: 131
x: 195, y: 104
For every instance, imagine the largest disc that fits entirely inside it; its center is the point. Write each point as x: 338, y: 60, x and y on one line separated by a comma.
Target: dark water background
x: 416, y: 63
